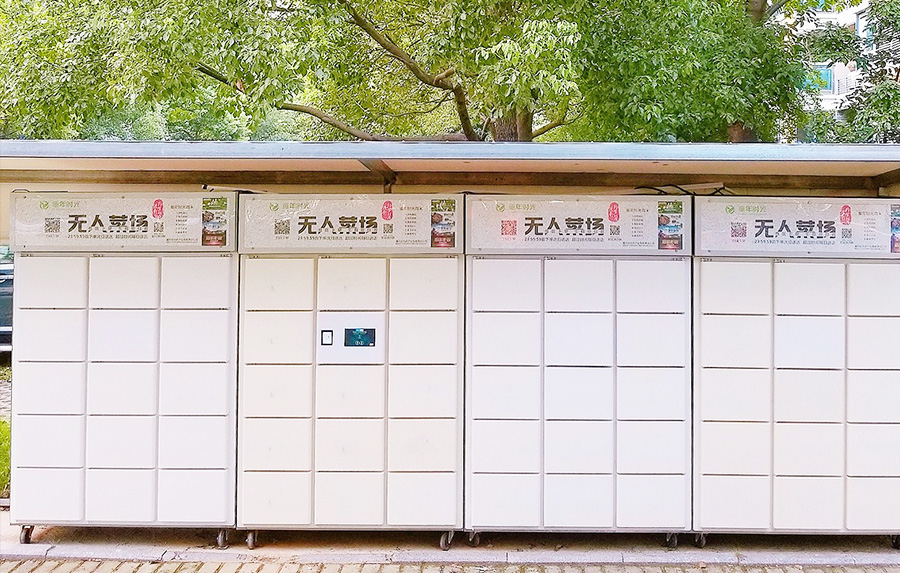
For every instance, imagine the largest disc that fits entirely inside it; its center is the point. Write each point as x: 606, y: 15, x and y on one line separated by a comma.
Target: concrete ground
x: 188, y: 547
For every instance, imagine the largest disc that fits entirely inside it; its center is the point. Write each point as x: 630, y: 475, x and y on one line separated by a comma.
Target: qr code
x: 614, y: 230
x: 51, y: 225
x: 739, y: 230
x: 846, y: 233
x: 507, y: 228
x: 283, y: 227
x: 388, y: 228
x: 158, y: 227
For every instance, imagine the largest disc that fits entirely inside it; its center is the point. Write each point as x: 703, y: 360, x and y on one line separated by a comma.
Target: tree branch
x: 220, y: 77
x: 773, y: 9
x: 559, y: 121
x: 333, y: 122
x: 439, y: 81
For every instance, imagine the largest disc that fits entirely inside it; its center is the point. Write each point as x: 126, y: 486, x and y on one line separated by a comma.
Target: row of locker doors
x: 578, y: 402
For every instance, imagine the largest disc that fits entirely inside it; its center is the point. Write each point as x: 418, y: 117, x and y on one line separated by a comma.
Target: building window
x: 826, y: 79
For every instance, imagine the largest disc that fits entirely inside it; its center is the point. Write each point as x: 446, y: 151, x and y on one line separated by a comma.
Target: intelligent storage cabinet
x: 124, y: 360
x: 797, y: 376
x: 578, y: 364
x: 350, y: 385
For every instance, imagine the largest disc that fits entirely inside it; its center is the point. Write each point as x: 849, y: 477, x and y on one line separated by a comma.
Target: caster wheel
x: 25, y: 534
x: 895, y: 541
x: 446, y: 540
x: 222, y: 539
x: 700, y: 540
x: 252, y: 539
x: 671, y: 540
x: 474, y: 539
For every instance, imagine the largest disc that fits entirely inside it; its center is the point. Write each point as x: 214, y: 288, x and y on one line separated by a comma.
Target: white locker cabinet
x: 578, y: 412
x: 795, y: 430
x: 127, y: 377
x: 351, y: 417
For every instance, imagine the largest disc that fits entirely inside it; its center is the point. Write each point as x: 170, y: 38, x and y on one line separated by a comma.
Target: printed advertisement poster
x: 116, y: 222
x: 816, y: 226
x: 645, y: 224
x: 351, y: 223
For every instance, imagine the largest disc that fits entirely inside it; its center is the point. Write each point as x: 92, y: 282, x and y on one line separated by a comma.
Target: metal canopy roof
x: 763, y: 166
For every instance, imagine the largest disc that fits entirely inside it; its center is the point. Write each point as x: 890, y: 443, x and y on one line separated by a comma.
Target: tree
x: 455, y: 69
x: 872, y: 111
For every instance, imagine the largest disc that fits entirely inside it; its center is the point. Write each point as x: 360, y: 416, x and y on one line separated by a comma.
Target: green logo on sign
x: 273, y: 206
x: 729, y: 209
x: 500, y: 207
x: 45, y: 204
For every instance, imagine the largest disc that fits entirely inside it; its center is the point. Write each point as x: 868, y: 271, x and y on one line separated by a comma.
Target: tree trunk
x: 740, y: 133
x: 525, y: 125
x: 757, y: 9
x: 505, y: 128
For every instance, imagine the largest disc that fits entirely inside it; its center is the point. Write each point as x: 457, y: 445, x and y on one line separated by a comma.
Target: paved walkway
x: 40, y: 566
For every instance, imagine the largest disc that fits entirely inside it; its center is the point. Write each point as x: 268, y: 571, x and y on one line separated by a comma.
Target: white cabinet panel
x: 872, y: 343
x: 335, y: 507
x: 196, y: 336
x: 504, y: 393
x: 198, y: 282
x: 196, y: 496
x: 873, y: 504
x: 121, y: 388
x: 352, y: 284
x: 578, y: 447
x: 276, y: 444
x: 50, y: 334
x: 278, y: 284
x: 423, y: 499
x: 578, y: 285
x: 51, y: 282
x: 735, y: 287
x: 276, y: 391
x: 423, y: 445
x: 809, y: 288
x: 652, y: 447
x: 423, y: 391
x: 124, y: 282
x: 651, y: 286
x: 652, y: 340
x: 578, y: 393
x: 809, y: 342
x: 505, y: 500
x: 871, y: 289
x: 356, y: 445
x: 121, y: 442
x: 873, y: 450
x: 275, y: 498
x: 871, y: 396
x: 809, y: 449
x: 506, y: 339
x: 195, y: 389
x: 44, y: 495
x: 48, y: 442
x: 196, y: 442
x: 425, y: 284
x: 277, y: 337
x: 735, y: 395
x: 506, y: 284
x: 809, y: 396
x: 123, y: 336
x: 651, y: 394
x: 735, y: 341
x: 578, y: 339
x: 652, y: 501
x: 809, y: 503
x: 505, y: 446
x: 578, y: 501
x: 350, y: 392
x: 424, y: 338
x: 344, y: 346
x: 49, y: 388
x: 117, y: 496
x: 735, y: 448
x: 734, y: 502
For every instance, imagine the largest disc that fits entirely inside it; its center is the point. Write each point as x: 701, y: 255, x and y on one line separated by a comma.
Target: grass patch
x: 5, y: 373
x: 4, y: 458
